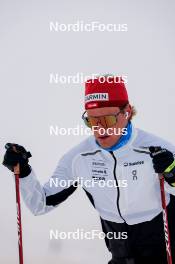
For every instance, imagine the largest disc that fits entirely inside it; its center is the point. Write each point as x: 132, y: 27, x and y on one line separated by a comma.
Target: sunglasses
x: 106, y: 121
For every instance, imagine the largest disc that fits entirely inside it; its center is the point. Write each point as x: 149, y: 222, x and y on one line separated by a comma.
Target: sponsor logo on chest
x: 99, y: 170
x: 126, y: 164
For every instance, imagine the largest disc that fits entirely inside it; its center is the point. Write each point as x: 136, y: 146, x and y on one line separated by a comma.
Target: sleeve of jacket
x: 42, y: 199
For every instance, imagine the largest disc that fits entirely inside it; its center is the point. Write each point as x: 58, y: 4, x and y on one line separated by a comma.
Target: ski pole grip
x: 17, y: 169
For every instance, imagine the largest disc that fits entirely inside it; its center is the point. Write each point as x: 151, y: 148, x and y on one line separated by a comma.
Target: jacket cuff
x: 172, y: 184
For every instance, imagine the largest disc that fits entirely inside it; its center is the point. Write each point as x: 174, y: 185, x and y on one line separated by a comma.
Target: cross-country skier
x: 127, y: 164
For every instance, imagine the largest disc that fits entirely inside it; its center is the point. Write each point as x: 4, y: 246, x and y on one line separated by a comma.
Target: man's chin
x: 105, y: 142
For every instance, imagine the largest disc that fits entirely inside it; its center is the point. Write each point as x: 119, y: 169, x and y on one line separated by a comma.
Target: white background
x: 29, y: 104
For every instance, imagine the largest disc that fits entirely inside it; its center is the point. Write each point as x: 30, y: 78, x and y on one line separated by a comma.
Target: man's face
x: 107, y: 141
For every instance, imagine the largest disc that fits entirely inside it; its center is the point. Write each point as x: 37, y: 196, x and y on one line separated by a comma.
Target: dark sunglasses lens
x: 105, y: 121
x: 110, y: 120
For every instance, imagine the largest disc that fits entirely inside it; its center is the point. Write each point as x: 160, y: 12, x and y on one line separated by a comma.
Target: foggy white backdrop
x: 29, y: 104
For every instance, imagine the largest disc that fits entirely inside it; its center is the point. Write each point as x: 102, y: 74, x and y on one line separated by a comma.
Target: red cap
x: 105, y: 91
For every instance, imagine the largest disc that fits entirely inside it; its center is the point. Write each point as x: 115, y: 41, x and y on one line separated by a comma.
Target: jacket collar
x: 127, y: 146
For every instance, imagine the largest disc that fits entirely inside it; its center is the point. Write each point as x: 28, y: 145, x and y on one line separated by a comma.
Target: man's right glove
x: 163, y: 163
x: 17, y: 154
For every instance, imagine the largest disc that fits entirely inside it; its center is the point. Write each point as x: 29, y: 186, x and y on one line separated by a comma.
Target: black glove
x: 17, y: 154
x: 164, y: 163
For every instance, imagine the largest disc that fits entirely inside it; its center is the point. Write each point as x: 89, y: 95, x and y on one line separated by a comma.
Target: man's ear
x: 128, y: 110
x: 126, y: 115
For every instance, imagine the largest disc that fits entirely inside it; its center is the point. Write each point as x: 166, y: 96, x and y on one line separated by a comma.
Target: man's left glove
x: 163, y: 163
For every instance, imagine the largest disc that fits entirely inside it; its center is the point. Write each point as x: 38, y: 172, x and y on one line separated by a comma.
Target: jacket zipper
x: 118, y: 189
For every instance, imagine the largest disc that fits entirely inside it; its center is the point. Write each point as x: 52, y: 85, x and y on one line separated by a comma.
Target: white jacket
x: 136, y: 200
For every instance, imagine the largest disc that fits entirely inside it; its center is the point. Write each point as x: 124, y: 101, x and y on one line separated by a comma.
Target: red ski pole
x: 165, y: 220
x: 18, y: 208
x: 146, y: 150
